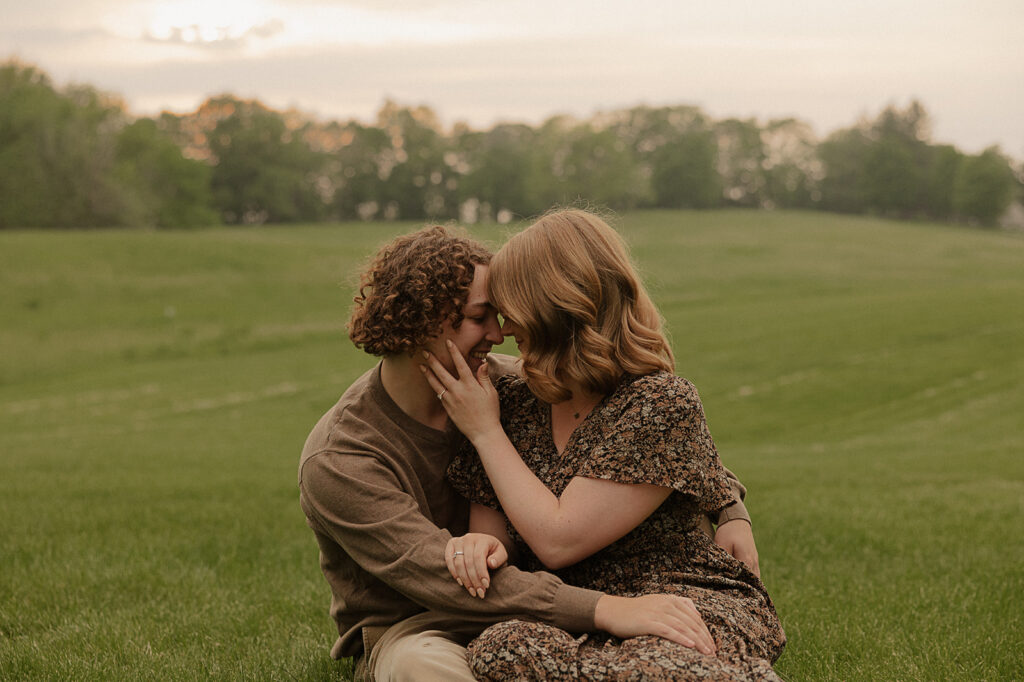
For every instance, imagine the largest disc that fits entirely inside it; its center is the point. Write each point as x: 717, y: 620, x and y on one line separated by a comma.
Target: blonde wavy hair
x: 568, y: 282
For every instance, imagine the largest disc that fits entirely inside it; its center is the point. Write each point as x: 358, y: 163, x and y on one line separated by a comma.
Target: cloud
x: 393, y: 6
x: 220, y: 38
x: 47, y: 37
x: 529, y: 80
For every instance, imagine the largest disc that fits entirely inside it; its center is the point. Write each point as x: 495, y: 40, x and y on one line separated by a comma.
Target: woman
x: 596, y: 464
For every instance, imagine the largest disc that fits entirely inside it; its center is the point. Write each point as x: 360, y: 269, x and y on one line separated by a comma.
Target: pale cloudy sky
x: 823, y: 61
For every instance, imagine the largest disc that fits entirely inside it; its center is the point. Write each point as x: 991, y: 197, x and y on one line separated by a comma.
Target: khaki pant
x: 426, y: 647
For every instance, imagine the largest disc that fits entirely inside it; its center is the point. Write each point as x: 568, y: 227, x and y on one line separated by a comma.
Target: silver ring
x: 441, y: 394
x: 457, y: 553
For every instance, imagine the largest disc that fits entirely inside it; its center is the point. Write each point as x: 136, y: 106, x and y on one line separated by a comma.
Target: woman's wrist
x: 490, y: 441
x: 604, y: 612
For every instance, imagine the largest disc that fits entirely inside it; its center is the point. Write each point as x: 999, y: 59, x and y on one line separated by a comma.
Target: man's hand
x: 663, y: 615
x: 737, y: 538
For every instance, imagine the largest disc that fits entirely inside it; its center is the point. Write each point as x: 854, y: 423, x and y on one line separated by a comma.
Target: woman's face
x: 510, y: 328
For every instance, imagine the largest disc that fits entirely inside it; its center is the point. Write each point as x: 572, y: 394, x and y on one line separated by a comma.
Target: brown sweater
x: 372, y: 485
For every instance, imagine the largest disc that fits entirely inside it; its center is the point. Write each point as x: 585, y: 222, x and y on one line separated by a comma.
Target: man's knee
x: 422, y: 656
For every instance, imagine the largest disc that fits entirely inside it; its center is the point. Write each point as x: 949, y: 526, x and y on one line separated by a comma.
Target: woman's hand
x: 468, y: 558
x: 664, y: 615
x: 471, y: 401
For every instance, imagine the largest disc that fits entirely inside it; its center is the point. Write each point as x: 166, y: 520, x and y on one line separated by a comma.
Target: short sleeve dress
x: 650, y: 429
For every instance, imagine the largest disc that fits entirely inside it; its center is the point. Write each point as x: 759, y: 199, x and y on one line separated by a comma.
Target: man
x: 373, y: 488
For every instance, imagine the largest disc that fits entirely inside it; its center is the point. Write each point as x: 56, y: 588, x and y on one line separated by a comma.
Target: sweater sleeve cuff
x: 736, y: 510
x: 573, y: 608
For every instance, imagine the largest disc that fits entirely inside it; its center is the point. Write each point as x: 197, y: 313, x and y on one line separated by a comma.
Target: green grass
x: 864, y: 378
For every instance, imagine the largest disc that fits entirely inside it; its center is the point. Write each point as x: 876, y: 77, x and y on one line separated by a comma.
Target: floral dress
x: 650, y: 429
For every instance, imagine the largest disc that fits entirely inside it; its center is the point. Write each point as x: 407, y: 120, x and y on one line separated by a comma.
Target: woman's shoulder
x: 659, y: 396
x: 661, y: 384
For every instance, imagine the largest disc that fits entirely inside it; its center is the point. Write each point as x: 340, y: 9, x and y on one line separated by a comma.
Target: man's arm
x: 736, y: 510
x: 737, y: 538
x: 358, y: 502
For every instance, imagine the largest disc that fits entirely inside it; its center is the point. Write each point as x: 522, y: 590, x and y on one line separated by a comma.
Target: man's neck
x: 406, y: 385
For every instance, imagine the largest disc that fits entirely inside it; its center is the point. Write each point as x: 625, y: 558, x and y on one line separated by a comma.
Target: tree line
x: 75, y: 157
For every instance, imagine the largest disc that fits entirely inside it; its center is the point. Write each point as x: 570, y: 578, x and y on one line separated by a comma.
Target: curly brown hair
x: 412, y: 286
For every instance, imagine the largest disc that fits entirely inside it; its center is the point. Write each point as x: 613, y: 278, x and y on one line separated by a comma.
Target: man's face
x: 479, y: 329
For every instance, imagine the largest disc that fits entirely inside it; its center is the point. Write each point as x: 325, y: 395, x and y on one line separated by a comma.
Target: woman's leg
x: 522, y: 650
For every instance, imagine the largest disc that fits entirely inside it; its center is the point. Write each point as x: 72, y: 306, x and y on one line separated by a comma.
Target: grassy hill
x: 864, y: 378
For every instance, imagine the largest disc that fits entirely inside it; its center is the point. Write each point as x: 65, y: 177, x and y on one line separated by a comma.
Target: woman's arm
x: 490, y: 521
x: 589, y: 515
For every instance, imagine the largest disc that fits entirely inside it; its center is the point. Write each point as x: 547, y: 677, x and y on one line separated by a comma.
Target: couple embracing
x: 483, y: 517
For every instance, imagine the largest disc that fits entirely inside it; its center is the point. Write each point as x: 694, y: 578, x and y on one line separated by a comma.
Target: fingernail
x: 426, y: 354
x: 449, y: 342
x: 459, y: 581
x: 482, y: 593
x: 486, y: 582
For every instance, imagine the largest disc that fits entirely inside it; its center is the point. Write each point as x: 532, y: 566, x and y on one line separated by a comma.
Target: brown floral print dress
x: 650, y: 429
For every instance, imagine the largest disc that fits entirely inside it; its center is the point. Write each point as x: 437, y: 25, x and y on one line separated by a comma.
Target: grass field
x: 864, y: 378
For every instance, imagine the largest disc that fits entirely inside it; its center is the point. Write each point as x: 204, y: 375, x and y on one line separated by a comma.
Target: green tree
x: 359, y: 187
x: 496, y: 166
x: 984, y: 187
x: 939, y: 179
x: 581, y: 162
x: 885, y: 165
x: 843, y: 155
x: 166, y: 189
x: 57, y: 154
x: 741, y: 157
x: 675, y: 149
x: 263, y: 170
x: 683, y: 173
x: 417, y: 181
x: 896, y: 167
x: 791, y: 167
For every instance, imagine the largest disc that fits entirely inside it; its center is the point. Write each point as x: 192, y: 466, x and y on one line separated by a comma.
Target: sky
x: 823, y: 61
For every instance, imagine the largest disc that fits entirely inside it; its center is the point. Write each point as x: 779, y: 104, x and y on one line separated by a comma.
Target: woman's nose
x: 495, y: 332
